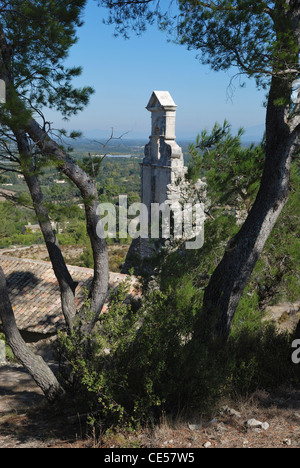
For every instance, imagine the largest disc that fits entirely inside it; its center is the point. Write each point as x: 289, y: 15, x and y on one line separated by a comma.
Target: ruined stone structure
x: 162, y: 171
x: 163, y: 165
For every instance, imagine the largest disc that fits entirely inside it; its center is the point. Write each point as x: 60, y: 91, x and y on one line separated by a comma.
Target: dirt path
x: 17, y: 389
x: 18, y: 393
x: 27, y: 421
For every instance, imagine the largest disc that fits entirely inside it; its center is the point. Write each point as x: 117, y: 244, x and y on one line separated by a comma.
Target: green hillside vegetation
x: 115, y: 176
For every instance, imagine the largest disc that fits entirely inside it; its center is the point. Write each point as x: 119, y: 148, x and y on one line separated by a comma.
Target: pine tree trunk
x: 87, y: 187
x: 35, y: 365
x: 230, y: 278
x: 65, y: 281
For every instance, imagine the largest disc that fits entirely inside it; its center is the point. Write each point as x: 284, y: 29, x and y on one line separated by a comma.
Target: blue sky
x: 125, y: 72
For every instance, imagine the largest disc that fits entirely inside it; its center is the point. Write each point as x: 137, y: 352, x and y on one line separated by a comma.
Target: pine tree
x: 261, y: 39
x: 35, y: 38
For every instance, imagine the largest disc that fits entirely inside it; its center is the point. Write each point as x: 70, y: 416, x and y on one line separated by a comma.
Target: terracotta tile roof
x: 34, y: 292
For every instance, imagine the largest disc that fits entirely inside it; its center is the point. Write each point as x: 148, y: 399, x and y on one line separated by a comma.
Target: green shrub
x: 140, y: 363
x: 260, y: 359
x: 143, y: 362
x: 21, y: 239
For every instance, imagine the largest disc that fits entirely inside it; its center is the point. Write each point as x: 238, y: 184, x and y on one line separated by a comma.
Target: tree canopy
x: 35, y: 39
x: 261, y: 39
x: 254, y: 36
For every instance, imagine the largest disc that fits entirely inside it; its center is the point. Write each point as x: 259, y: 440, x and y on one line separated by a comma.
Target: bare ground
x: 27, y: 421
x: 72, y: 254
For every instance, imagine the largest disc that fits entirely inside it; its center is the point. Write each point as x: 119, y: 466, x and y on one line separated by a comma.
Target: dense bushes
x: 21, y: 240
x: 143, y: 362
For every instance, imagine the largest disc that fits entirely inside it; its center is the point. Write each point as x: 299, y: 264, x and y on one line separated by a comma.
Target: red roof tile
x: 35, y: 295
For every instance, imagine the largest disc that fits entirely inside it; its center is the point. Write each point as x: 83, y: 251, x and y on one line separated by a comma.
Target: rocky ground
x: 262, y: 421
x: 39, y: 252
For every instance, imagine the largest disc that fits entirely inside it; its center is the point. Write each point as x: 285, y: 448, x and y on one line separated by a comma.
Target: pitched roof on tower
x: 161, y: 100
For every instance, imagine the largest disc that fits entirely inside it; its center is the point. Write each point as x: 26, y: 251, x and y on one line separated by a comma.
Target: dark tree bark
x: 230, y: 278
x: 65, y: 281
x: 35, y: 365
x: 88, y: 189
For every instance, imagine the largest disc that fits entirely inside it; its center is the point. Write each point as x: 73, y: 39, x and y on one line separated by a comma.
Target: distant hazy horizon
x: 254, y: 134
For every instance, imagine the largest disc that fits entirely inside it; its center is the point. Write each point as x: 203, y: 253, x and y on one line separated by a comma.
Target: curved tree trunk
x: 35, y: 365
x: 66, y: 284
x: 98, y: 293
x: 99, y: 288
x: 65, y: 281
x: 230, y: 278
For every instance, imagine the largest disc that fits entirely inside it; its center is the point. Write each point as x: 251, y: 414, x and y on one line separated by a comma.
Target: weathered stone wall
x: 163, y: 164
x: 162, y: 170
